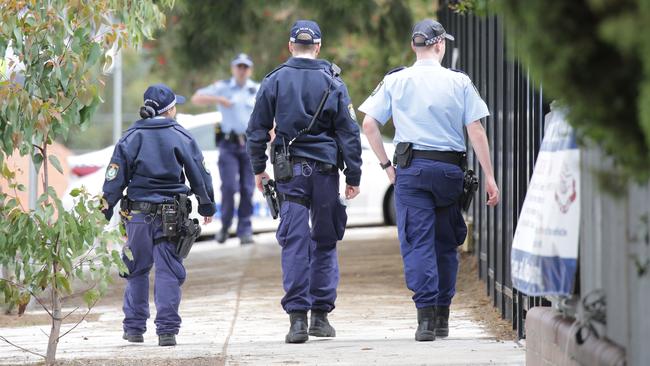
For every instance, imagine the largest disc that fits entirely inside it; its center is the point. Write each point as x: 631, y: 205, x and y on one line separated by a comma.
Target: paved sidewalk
x: 231, y: 315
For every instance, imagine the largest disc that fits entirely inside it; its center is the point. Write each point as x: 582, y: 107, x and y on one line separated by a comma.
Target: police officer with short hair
x: 429, y: 105
x: 300, y: 90
x: 235, y: 98
x: 152, y: 160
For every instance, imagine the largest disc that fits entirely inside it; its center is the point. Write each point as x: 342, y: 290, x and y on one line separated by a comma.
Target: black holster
x: 403, y: 154
x: 470, y: 186
x: 178, y: 228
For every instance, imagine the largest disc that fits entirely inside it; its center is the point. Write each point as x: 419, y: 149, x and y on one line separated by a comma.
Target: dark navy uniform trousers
x: 141, y: 230
x: 310, y: 270
x: 236, y: 176
x: 430, y: 228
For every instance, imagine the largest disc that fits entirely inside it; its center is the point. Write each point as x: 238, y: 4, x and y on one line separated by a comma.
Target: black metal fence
x: 515, y: 129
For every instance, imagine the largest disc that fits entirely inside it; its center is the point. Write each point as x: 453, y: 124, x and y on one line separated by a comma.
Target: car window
x: 204, y: 136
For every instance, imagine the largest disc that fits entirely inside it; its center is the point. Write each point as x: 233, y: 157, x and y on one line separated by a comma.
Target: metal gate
x: 514, y: 129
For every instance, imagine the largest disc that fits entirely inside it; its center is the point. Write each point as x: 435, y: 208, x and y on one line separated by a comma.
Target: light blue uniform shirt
x: 429, y: 104
x: 234, y: 118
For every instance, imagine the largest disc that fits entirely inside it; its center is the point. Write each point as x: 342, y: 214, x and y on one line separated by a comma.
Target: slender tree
x: 52, y: 80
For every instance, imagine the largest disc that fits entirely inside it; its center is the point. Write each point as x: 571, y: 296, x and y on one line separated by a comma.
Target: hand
x: 207, y: 220
x: 390, y: 172
x: 225, y: 102
x: 492, y: 191
x: 351, y: 192
x: 258, y: 180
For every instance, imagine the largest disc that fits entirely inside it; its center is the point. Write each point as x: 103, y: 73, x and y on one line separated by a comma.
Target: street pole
x: 117, y: 97
x: 33, y: 184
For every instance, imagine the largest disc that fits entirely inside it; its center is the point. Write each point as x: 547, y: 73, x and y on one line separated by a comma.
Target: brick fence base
x: 550, y: 340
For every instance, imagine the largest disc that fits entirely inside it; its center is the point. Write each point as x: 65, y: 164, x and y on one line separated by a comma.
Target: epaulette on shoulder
x: 336, y: 70
x: 274, y: 71
x: 400, y: 68
x: 128, y: 133
x: 182, y: 130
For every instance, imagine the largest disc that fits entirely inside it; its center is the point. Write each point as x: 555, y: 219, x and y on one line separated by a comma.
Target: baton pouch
x: 403, y: 154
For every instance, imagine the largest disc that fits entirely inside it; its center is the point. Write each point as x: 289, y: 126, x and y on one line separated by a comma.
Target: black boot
x: 442, y: 321
x: 133, y: 338
x: 221, y: 236
x: 167, y: 340
x: 298, y: 330
x: 425, y: 330
x: 319, y: 326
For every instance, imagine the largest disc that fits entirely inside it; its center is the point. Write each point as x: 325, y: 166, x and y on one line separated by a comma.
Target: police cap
x: 161, y: 98
x: 428, y: 32
x: 305, y: 32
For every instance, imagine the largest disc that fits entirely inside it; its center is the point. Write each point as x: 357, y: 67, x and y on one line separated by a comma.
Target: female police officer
x: 152, y: 160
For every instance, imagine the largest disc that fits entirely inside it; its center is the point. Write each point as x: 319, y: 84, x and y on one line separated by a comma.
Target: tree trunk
x: 53, y: 341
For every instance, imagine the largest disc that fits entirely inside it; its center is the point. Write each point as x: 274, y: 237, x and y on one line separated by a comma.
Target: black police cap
x: 428, y: 32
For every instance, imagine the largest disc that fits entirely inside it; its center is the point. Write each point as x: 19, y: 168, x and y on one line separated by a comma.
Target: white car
x: 374, y: 206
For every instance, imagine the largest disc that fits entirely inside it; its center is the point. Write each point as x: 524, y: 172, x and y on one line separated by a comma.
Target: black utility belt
x: 320, y: 166
x: 451, y: 157
x: 404, y: 153
x: 231, y: 137
x: 144, y: 207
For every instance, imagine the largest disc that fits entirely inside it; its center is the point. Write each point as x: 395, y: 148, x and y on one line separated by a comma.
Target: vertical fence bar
x: 515, y: 129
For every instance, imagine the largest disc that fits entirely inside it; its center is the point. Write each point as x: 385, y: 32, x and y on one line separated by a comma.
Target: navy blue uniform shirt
x: 290, y: 95
x: 152, y: 159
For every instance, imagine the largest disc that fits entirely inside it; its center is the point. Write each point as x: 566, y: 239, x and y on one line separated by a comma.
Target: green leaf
x: 38, y: 161
x: 128, y: 253
x: 75, y: 192
x: 56, y: 163
x: 90, y: 297
x: 63, y: 282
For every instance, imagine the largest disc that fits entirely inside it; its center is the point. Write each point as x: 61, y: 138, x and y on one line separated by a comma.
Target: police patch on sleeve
x: 353, y: 115
x: 377, y: 88
x: 111, y: 171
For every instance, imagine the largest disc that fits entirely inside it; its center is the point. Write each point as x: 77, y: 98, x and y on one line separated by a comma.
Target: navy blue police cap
x: 161, y: 98
x: 305, y: 32
x: 242, y: 59
x: 428, y: 32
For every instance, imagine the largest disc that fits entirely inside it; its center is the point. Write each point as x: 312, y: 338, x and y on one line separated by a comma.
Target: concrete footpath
x: 232, y: 316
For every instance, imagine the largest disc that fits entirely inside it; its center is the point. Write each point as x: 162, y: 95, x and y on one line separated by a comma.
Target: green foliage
x: 365, y: 38
x: 51, y: 83
x: 74, y: 246
x: 594, y: 57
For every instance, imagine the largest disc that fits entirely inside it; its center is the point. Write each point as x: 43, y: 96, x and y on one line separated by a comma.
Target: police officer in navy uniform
x: 235, y: 98
x: 429, y: 105
x: 291, y: 95
x: 152, y: 160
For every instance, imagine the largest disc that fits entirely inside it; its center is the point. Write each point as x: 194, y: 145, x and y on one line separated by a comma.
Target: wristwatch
x: 386, y: 164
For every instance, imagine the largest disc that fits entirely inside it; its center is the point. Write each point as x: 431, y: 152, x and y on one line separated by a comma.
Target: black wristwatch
x: 386, y: 164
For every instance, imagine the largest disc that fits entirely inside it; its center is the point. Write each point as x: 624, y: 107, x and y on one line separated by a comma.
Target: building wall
x: 20, y: 164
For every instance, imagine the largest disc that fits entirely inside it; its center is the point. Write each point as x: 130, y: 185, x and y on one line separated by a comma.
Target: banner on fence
x: 545, y: 246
